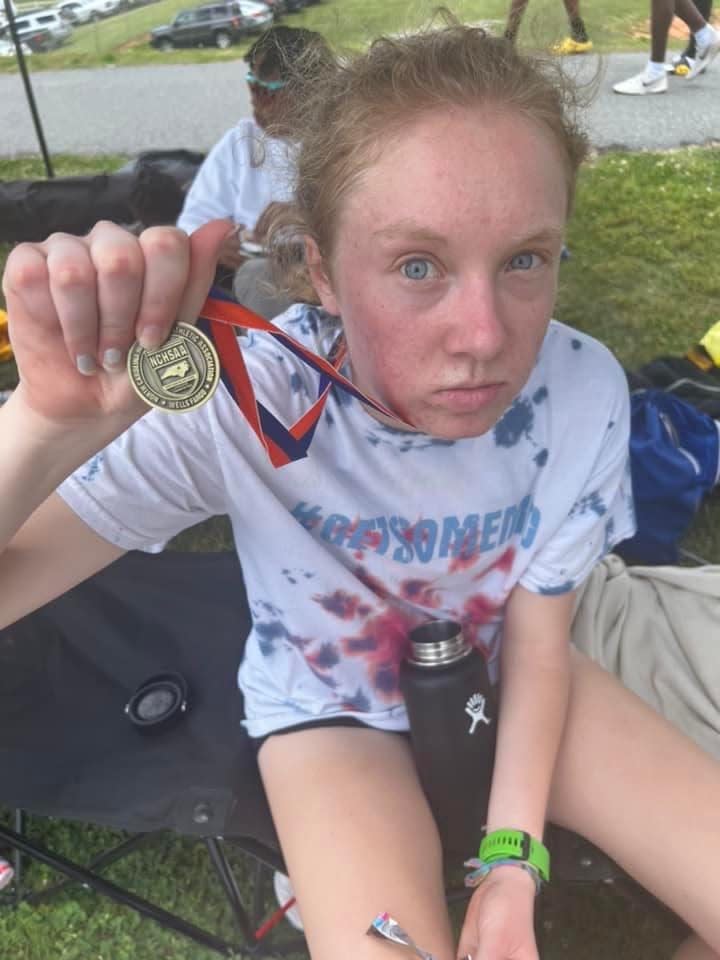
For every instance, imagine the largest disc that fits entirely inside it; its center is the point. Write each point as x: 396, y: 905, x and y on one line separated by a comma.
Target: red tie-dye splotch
x: 382, y: 638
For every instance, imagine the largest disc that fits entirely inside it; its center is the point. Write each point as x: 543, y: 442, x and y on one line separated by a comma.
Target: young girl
x: 436, y: 175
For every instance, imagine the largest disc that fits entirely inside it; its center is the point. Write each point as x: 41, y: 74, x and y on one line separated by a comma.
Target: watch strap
x: 516, y: 845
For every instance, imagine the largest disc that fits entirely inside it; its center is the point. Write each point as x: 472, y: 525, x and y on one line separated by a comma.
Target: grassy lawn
x: 642, y: 277
x: 122, y: 39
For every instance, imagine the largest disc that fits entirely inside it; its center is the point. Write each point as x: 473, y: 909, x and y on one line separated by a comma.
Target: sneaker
x: 706, y: 53
x: 6, y: 873
x: 283, y: 893
x: 569, y: 46
x: 681, y: 65
x: 642, y: 84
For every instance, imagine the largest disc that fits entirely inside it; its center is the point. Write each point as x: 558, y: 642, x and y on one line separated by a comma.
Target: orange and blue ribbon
x: 284, y: 445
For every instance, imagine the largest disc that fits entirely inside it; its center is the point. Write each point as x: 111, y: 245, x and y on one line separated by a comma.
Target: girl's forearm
x: 534, y: 691
x: 534, y: 698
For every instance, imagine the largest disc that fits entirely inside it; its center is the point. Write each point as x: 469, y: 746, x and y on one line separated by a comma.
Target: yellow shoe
x: 568, y: 46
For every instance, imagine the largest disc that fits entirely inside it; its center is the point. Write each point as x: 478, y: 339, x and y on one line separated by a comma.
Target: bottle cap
x: 438, y: 643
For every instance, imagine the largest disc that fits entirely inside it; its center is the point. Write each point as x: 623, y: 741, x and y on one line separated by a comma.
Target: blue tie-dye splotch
x: 559, y: 589
x: 515, y: 423
x: 268, y: 635
x: 307, y: 321
x: 358, y: 702
x: 403, y: 441
x: 340, y: 396
x: 92, y: 468
x: 591, y: 501
x: 326, y: 657
x: 297, y: 384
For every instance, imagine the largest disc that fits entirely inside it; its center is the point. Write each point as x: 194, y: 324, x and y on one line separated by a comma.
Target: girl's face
x: 445, y: 267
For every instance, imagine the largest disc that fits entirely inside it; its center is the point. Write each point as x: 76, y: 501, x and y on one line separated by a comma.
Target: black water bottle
x: 452, y: 709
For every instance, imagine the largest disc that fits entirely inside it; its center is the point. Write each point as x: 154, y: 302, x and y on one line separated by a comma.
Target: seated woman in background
x: 253, y: 164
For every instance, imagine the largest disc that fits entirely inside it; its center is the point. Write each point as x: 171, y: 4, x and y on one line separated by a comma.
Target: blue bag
x: 674, y: 450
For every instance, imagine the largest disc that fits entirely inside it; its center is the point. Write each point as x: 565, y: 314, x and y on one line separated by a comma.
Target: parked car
x: 218, y: 24
x: 7, y: 47
x: 41, y: 29
x: 84, y: 11
x: 35, y: 41
x: 256, y: 16
x: 278, y: 7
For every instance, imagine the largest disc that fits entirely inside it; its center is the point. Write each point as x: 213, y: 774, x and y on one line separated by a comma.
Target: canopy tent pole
x: 10, y: 14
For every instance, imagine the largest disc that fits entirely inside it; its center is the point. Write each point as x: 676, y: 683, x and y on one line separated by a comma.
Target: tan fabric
x: 658, y: 630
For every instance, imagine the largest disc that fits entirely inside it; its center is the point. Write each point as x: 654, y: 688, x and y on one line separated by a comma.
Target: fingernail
x: 112, y: 359
x: 86, y: 364
x: 152, y: 336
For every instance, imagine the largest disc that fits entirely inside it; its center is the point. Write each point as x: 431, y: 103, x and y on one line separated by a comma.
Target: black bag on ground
x: 30, y: 210
x: 161, y: 180
x: 149, y: 191
x: 683, y: 379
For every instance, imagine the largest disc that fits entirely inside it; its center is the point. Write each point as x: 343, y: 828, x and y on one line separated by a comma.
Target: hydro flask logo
x: 475, y: 709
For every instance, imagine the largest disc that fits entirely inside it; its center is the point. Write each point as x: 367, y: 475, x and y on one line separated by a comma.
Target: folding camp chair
x: 76, y: 743
x: 174, y: 626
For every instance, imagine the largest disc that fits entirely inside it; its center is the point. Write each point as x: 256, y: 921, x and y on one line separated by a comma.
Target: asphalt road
x: 129, y: 109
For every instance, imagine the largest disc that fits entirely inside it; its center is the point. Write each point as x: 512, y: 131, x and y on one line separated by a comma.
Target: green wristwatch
x: 516, y: 845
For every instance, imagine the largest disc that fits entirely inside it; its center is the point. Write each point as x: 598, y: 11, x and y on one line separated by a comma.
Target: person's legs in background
x: 514, y: 19
x: 577, y: 42
x: 683, y: 62
x: 653, y: 78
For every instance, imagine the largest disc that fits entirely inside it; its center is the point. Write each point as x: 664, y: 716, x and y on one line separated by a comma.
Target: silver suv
x: 45, y: 26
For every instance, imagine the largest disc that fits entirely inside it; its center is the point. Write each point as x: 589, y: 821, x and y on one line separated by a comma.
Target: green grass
x: 122, y: 39
x: 643, y: 277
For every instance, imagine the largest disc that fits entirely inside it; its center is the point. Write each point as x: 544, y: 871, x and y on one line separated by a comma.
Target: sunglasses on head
x: 272, y: 86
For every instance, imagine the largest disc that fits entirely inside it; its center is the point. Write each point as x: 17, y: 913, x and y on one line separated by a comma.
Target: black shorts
x: 257, y: 742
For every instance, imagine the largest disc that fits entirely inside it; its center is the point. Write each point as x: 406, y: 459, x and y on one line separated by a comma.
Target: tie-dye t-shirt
x: 377, y: 529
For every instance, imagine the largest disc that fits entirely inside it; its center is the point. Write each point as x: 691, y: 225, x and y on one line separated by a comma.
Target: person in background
x: 577, y: 42
x: 654, y: 78
x: 253, y: 164
x: 682, y: 63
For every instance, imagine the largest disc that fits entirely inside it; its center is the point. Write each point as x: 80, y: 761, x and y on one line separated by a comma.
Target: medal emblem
x: 180, y: 375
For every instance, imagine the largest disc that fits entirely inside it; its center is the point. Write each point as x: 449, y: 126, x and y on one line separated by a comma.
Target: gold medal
x: 180, y: 375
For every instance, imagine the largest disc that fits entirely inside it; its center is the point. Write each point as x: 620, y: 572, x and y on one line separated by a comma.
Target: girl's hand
x: 76, y: 304
x: 231, y: 256
x: 499, y: 920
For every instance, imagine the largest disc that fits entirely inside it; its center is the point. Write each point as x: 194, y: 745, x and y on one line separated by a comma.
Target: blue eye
x: 524, y: 261
x: 417, y: 269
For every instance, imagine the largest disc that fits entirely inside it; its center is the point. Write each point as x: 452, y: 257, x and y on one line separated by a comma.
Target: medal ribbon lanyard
x: 283, y: 445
